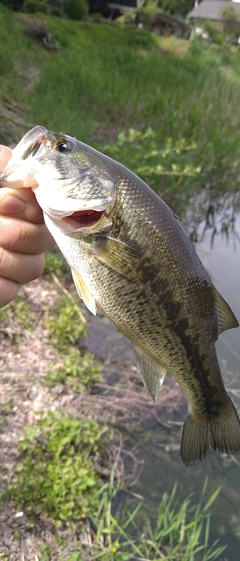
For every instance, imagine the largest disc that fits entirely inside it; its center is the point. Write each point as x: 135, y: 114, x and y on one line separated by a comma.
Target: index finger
x: 29, y: 210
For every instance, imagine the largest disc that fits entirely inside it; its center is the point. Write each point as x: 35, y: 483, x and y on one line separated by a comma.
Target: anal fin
x: 152, y: 374
x: 84, y: 292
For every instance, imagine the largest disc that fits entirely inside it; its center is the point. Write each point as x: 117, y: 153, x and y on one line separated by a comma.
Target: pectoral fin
x: 153, y: 375
x: 83, y: 292
x: 118, y: 256
x: 226, y: 318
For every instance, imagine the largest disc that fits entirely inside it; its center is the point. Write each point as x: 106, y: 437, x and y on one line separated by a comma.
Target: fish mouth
x: 77, y: 215
x: 81, y: 219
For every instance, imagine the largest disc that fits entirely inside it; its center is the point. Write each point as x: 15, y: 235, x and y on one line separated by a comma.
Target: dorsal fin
x: 226, y: 318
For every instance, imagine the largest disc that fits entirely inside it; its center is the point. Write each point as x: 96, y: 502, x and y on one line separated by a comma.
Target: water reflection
x: 212, y: 216
x: 214, y: 226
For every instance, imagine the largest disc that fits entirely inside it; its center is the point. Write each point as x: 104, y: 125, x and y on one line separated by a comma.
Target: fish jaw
x: 18, y: 172
x: 80, y: 223
x: 67, y: 186
x: 75, y: 215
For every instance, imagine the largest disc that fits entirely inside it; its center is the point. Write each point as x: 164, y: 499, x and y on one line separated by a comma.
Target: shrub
x: 56, y: 11
x: 147, y: 15
x: 75, y: 9
x: 231, y: 26
x: 214, y: 33
x: 34, y: 6
x: 13, y: 4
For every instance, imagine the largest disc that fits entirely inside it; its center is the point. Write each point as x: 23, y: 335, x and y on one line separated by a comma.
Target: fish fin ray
x: 119, y: 256
x: 221, y: 433
x: 83, y: 292
x: 152, y: 374
x: 226, y: 317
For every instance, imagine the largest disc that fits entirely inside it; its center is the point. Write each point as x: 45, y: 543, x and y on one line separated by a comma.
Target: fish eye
x: 64, y: 146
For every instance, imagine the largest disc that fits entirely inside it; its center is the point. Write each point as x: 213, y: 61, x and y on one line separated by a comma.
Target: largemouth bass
x: 131, y: 258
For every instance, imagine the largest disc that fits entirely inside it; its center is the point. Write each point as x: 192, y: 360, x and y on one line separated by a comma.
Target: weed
x: 56, y: 475
x: 76, y: 556
x: 4, y: 557
x: 45, y: 551
x: 180, y: 532
x: 78, y: 371
x: 66, y: 327
x: 141, y: 151
x: 65, y: 323
x: 56, y: 264
x: 5, y: 410
x: 20, y: 311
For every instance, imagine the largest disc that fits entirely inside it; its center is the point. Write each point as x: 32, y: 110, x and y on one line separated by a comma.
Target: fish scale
x: 133, y: 260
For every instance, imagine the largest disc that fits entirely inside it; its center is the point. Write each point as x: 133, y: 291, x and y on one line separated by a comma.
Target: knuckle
x: 3, y: 259
x: 21, y: 236
x: 34, y: 268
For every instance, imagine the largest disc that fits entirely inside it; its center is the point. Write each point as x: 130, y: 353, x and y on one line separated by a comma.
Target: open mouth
x: 82, y: 218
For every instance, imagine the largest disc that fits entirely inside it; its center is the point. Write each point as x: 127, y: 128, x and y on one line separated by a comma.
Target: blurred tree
x: 12, y: 4
x: 231, y: 24
x: 75, y: 9
x: 177, y: 7
x: 35, y: 6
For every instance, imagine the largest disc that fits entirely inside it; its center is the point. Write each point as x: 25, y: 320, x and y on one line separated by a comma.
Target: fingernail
x: 11, y: 205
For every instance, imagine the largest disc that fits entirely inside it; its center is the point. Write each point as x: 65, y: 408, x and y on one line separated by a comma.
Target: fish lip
x: 32, y: 144
x: 86, y: 220
x: 81, y: 219
x: 55, y: 208
x: 60, y: 207
x: 61, y: 215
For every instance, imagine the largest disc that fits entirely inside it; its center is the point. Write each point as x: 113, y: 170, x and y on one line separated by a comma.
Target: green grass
x: 56, y: 475
x: 105, y: 79
x: 180, y: 531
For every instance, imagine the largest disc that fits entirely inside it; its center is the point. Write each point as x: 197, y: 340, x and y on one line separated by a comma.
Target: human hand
x: 23, y: 237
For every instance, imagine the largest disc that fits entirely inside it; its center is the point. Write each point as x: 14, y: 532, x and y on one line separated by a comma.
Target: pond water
x: 217, y: 240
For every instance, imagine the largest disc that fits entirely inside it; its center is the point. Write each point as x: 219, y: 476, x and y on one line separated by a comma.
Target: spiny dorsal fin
x: 226, y: 318
x: 83, y: 292
x: 153, y: 375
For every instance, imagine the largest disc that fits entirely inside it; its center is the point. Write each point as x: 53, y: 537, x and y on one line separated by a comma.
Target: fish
x: 131, y: 258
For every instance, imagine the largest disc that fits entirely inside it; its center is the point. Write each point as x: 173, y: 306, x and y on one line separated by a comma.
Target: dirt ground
x: 121, y: 400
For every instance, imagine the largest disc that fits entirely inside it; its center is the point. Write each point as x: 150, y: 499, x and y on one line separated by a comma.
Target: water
x: 217, y: 241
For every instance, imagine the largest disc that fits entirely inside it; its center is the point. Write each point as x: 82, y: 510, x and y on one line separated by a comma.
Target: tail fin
x: 220, y: 432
